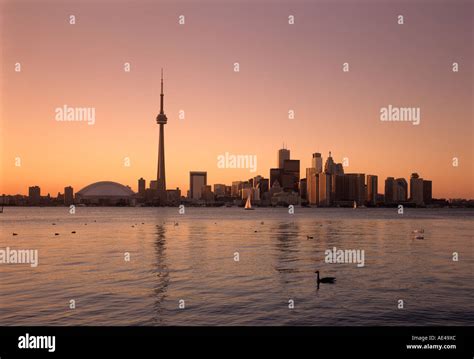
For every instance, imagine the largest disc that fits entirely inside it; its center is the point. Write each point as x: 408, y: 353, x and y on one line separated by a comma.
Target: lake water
x: 193, y: 261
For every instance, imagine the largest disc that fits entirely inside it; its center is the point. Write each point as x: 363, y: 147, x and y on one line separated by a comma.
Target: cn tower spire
x: 162, y: 95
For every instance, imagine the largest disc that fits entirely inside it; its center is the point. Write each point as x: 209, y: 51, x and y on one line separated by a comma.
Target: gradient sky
x: 282, y: 67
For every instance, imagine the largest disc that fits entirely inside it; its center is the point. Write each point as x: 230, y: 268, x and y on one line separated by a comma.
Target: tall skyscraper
x: 283, y: 154
x: 390, y: 189
x: 427, y: 192
x: 68, y: 195
x: 372, y: 187
x: 34, y: 195
x: 401, y: 190
x: 291, y: 175
x: 141, y: 186
x: 317, y: 162
x: 416, y: 189
x: 329, y: 165
x: 161, y: 119
x: 197, y: 180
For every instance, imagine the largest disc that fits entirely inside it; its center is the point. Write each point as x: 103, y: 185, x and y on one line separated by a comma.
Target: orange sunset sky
x: 282, y: 67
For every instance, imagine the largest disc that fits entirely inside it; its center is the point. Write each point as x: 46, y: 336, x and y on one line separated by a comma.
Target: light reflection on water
x: 191, y: 257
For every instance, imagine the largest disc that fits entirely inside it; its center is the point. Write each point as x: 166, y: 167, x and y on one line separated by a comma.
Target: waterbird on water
x: 309, y: 237
x: 329, y: 280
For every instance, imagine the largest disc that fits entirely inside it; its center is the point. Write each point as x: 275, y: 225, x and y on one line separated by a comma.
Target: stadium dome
x: 105, y: 193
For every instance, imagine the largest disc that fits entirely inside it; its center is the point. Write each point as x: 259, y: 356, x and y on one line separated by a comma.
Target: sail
x: 248, y: 204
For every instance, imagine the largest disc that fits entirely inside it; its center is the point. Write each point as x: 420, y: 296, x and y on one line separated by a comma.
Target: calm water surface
x: 194, y: 261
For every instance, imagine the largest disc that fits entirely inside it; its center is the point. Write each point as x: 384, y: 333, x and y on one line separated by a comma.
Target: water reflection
x: 162, y: 272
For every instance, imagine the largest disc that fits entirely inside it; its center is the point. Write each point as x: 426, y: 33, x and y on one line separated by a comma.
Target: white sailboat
x: 248, y: 204
x: 354, y: 205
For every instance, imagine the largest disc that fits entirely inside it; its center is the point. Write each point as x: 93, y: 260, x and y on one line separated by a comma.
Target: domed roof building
x: 106, y: 193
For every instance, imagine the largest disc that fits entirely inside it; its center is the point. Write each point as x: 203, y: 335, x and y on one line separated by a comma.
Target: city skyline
x: 240, y: 113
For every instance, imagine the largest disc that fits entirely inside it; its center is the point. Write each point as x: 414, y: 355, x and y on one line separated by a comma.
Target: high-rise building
x: 416, y: 189
x: 276, y: 174
x: 324, y: 189
x: 427, y: 192
x: 68, y: 195
x: 34, y: 195
x: 291, y: 175
x: 219, y: 190
x: 303, y: 188
x: 206, y: 193
x: 235, y: 189
x: 162, y: 120
x: 141, y: 187
x: 283, y: 155
x: 390, y: 190
x: 312, y: 188
x: 372, y: 188
x: 400, y: 192
x: 317, y: 162
x: 329, y: 165
x: 197, y: 179
x: 153, y: 185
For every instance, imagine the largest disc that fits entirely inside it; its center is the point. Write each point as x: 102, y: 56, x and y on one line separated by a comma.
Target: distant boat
x: 248, y: 204
x: 354, y: 205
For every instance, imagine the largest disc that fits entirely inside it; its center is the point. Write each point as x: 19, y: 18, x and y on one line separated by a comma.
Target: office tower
x: 291, y: 175
x: 153, y: 185
x: 312, y: 188
x: 161, y: 119
x: 400, y: 192
x: 219, y: 190
x: 141, y: 186
x: 338, y: 169
x: 206, y: 193
x: 324, y: 189
x: 34, y: 195
x: 283, y: 155
x: 329, y: 165
x: 68, y: 195
x: 317, y: 162
x: 197, y: 180
x: 416, y: 189
x: 372, y: 187
x: 263, y: 186
x: 427, y: 192
x: 276, y: 174
x: 390, y: 190
x: 303, y: 188
x: 235, y: 189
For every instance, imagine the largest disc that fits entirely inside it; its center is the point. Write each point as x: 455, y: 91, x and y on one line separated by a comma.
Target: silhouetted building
x: 219, y: 190
x: 416, y: 189
x: 390, y: 190
x: 427, y: 192
x: 372, y: 188
x: 312, y: 186
x: 34, y: 195
x: 317, y: 162
x: 291, y: 175
x: 236, y: 185
x: 303, y: 188
x: 400, y: 190
x: 141, y: 187
x: 106, y: 193
x: 153, y: 185
x: 324, y: 189
x: 206, y: 193
x: 196, y: 181
x: 276, y: 174
x: 329, y: 165
x: 68, y: 195
x: 283, y: 155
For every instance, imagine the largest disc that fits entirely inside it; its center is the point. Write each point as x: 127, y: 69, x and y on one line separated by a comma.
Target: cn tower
x: 161, y: 119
